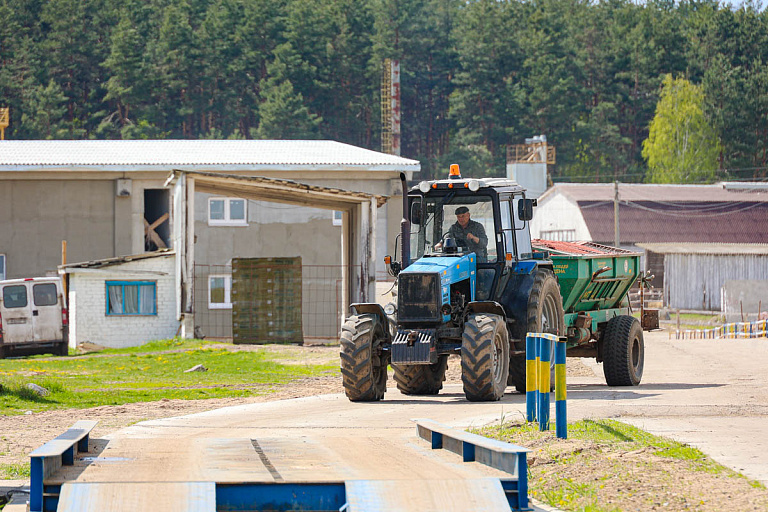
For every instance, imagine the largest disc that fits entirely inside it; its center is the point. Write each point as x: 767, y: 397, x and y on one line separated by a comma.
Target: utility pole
x: 616, y: 238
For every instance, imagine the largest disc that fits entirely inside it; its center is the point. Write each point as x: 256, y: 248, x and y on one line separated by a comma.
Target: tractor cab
x: 457, y: 216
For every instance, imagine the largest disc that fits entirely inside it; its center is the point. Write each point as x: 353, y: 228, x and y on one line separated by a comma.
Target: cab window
x: 507, y: 226
x: 522, y: 235
x: 15, y: 296
x: 45, y: 294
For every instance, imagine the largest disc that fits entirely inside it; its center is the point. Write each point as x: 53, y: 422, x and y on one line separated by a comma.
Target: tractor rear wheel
x: 363, y: 366
x: 623, y: 351
x: 421, y: 379
x: 545, y: 314
x: 484, y: 357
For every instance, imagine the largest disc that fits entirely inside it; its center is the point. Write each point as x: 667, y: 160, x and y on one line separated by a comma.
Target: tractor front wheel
x: 623, y: 351
x: 484, y: 357
x: 421, y: 379
x: 363, y: 366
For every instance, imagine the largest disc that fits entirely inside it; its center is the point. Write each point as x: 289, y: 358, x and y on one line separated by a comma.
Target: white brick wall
x: 88, y: 304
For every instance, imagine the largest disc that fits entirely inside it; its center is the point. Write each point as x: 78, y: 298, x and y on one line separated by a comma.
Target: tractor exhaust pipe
x: 405, y: 225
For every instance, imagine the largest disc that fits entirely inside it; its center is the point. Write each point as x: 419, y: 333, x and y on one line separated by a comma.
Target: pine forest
x: 617, y: 87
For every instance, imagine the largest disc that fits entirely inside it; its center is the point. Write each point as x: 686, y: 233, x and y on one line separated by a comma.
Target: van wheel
x: 63, y: 349
x: 2, y: 352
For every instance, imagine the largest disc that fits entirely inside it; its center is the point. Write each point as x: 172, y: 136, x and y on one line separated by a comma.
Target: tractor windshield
x: 468, y: 220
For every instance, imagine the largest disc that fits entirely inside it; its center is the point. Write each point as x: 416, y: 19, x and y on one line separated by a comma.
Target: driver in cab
x: 469, y: 233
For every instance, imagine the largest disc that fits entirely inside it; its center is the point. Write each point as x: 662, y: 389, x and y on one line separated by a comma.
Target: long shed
x: 695, y: 273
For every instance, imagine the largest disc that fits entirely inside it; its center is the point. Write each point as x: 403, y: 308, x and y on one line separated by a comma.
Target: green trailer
x: 594, y: 281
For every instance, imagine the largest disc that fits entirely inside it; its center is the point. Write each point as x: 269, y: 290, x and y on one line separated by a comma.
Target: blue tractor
x: 468, y: 282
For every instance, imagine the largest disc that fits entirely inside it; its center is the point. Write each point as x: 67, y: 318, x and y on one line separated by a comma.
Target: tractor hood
x: 459, y: 266
x: 451, y: 269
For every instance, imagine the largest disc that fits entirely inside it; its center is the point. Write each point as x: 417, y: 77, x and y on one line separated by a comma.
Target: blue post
x: 561, y: 421
x: 544, y: 351
x: 530, y: 376
x: 36, y: 474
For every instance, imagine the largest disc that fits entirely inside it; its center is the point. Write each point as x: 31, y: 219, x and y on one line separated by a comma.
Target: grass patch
x: 609, y: 466
x: 14, y: 471
x: 147, y: 373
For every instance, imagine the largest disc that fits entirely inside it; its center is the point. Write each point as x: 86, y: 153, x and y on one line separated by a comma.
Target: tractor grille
x: 419, y: 297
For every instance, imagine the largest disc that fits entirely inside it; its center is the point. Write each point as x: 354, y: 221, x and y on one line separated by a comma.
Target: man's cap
x: 462, y: 209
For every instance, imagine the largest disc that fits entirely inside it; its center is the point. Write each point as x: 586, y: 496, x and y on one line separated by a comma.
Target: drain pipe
x: 405, y: 226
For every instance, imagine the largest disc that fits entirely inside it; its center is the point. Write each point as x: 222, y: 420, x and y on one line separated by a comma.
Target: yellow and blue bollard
x: 530, y: 377
x: 537, y: 382
x: 561, y: 420
x: 543, y: 374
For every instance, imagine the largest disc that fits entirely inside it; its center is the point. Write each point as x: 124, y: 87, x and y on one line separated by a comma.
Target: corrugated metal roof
x: 196, y: 155
x: 648, y: 221
x: 108, y: 262
x: 710, y: 248
x: 271, y: 189
x: 650, y: 192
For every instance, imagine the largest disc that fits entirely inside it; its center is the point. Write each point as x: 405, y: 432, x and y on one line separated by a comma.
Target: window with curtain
x: 131, y: 298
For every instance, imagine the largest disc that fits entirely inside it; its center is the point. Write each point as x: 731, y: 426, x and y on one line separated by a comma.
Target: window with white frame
x: 2, y: 267
x: 227, y: 211
x: 219, y: 292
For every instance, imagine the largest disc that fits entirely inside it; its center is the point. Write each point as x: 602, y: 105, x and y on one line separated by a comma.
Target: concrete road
x: 712, y: 394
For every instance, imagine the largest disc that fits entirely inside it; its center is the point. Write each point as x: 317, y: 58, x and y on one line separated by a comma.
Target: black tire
x: 484, y: 357
x: 623, y: 351
x: 363, y: 368
x: 544, y: 314
x: 63, y: 349
x: 421, y: 379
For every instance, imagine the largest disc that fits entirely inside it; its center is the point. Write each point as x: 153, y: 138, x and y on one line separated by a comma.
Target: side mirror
x: 416, y: 213
x: 525, y: 209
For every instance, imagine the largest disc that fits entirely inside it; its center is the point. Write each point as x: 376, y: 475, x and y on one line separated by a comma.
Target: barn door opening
x: 157, y: 230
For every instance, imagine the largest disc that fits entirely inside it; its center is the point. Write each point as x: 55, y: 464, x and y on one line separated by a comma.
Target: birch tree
x: 682, y: 146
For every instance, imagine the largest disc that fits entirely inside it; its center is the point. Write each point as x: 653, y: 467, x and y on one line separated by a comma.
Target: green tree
x: 44, y: 113
x: 283, y: 114
x: 129, y: 83
x: 681, y: 146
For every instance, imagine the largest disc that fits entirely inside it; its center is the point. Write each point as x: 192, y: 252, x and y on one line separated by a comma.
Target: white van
x: 33, y: 317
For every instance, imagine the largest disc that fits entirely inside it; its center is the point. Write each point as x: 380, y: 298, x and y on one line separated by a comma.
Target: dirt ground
x: 621, y: 480
x: 19, y: 435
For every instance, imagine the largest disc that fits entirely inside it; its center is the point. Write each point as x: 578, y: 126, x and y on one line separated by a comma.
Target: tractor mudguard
x: 514, y: 299
x: 375, y: 309
x: 487, y: 306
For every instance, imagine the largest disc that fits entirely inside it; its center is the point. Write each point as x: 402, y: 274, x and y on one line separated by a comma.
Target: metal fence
x: 321, y: 302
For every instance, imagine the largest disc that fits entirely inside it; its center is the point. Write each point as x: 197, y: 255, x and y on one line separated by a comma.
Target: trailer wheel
x: 484, y: 357
x: 545, y: 314
x: 421, y: 379
x: 623, y: 351
x: 363, y: 366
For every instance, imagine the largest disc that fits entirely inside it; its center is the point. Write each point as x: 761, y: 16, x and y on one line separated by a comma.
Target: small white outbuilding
x: 122, y: 302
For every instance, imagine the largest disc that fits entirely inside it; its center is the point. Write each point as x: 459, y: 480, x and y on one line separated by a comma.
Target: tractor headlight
x: 390, y: 309
x: 474, y: 185
x: 424, y: 187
